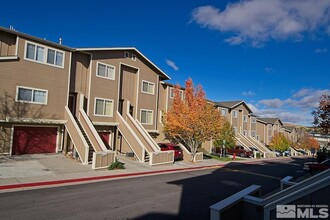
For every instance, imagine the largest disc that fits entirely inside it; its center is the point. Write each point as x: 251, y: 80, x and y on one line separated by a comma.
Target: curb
x: 117, y: 176
x: 95, y: 178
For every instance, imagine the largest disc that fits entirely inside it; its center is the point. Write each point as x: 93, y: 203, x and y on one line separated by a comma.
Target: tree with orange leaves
x: 192, y: 120
x: 279, y: 142
x: 308, y: 142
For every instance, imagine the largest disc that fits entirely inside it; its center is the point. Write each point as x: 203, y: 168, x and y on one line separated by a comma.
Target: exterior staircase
x: 91, y: 149
x: 139, y: 140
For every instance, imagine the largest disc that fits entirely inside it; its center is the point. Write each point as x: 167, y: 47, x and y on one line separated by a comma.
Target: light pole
x: 223, y: 148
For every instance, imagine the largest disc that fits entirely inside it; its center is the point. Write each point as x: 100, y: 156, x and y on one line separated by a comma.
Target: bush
x: 116, y: 165
x: 322, y: 155
x: 258, y: 155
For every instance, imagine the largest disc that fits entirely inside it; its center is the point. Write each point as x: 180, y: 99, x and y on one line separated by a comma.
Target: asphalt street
x: 184, y: 195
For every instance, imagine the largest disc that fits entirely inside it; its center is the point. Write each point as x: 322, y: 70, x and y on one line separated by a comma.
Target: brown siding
x: 7, y: 44
x: 40, y: 76
x: 80, y: 73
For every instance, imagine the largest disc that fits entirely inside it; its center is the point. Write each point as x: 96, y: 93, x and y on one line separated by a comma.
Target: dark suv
x: 178, y: 154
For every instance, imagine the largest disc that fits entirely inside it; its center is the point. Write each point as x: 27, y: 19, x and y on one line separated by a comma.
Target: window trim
x: 106, y: 65
x: 126, y: 54
x: 224, y: 109
x: 150, y: 93
x: 133, y: 57
x: 148, y: 110
x: 33, y: 89
x: 45, y: 56
x: 108, y: 116
x: 253, y: 120
x: 245, y: 118
x: 180, y: 92
x: 236, y: 113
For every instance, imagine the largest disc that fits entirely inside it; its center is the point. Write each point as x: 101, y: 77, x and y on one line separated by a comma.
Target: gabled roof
x: 270, y: 120
x: 229, y: 104
x: 124, y: 49
x: 36, y: 39
x: 289, y: 128
x: 173, y: 85
x: 233, y: 104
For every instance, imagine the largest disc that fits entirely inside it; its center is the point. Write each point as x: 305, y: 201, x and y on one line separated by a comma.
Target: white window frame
x: 33, y: 89
x: 224, y: 111
x: 245, y: 118
x: 149, y: 83
x: 152, y: 116
x: 245, y: 132
x: 133, y: 57
x: 106, y: 66
x: 173, y: 93
x: 235, y: 113
x: 45, y: 55
x: 253, y: 132
x: 103, y: 99
x: 253, y: 120
x: 126, y: 54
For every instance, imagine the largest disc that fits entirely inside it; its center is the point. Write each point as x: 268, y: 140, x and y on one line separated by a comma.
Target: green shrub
x: 116, y: 165
x: 258, y: 155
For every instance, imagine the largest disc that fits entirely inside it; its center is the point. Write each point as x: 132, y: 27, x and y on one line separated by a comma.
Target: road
x: 185, y: 195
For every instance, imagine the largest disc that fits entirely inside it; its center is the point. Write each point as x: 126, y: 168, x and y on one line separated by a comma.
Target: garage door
x: 34, y: 140
x: 105, y: 136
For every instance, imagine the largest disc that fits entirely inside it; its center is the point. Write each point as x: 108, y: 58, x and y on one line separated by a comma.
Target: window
x: 223, y: 112
x: 234, y: 114
x: 244, y: 118
x: 253, y: 133
x: 103, y: 107
x: 148, y: 87
x: 146, y: 116
x: 258, y: 137
x: 161, y: 116
x: 25, y: 94
x: 254, y: 120
x: 172, y: 93
x: 105, y: 71
x: 126, y: 54
x: 42, y: 54
x: 235, y: 130
x: 134, y: 57
x: 245, y: 133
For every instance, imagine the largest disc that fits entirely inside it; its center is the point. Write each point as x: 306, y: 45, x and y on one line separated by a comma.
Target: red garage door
x: 105, y: 136
x: 34, y: 140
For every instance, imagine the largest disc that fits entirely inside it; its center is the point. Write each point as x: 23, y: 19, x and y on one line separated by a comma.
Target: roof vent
x: 60, y: 40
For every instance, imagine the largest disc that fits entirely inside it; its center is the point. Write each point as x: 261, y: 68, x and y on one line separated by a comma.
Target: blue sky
x: 274, y: 54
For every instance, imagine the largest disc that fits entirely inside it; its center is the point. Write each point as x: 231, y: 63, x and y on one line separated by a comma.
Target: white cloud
x: 301, y: 93
x: 272, y: 103
x: 257, y: 21
x: 321, y: 50
x: 172, y: 64
x: 248, y: 93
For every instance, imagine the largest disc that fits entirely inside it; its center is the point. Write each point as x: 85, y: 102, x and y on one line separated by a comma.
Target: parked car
x: 315, y: 167
x: 239, y: 151
x: 287, y: 153
x: 278, y: 153
x: 178, y: 154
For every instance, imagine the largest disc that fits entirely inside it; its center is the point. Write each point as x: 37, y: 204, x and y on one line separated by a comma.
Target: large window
x: 103, y: 107
x: 253, y: 133
x: 146, y: 116
x: 25, y: 94
x: 105, y: 71
x: 148, y: 87
x: 254, y: 120
x: 43, y: 54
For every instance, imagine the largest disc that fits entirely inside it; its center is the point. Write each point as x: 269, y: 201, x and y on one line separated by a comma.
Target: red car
x: 178, y: 154
x: 239, y: 151
x: 315, y: 167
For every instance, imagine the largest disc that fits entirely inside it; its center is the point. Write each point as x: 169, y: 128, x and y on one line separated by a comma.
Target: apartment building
x: 273, y: 126
x: 244, y: 123
x: 34, y: 91
x: 92, y: 102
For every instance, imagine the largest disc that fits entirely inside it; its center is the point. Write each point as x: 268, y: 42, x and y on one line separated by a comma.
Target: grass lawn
x: 227, y: 158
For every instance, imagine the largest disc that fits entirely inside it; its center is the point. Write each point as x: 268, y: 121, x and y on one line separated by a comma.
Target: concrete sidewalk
x: 48, y: 170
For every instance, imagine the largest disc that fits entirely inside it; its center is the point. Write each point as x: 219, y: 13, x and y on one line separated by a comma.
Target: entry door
x: 128, y: 84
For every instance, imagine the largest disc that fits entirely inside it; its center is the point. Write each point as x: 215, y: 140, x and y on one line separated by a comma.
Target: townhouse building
x: 92, y: 102
x: 95, y: 103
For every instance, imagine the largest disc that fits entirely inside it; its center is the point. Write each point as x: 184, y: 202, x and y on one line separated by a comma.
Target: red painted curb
x: 57, y: 182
